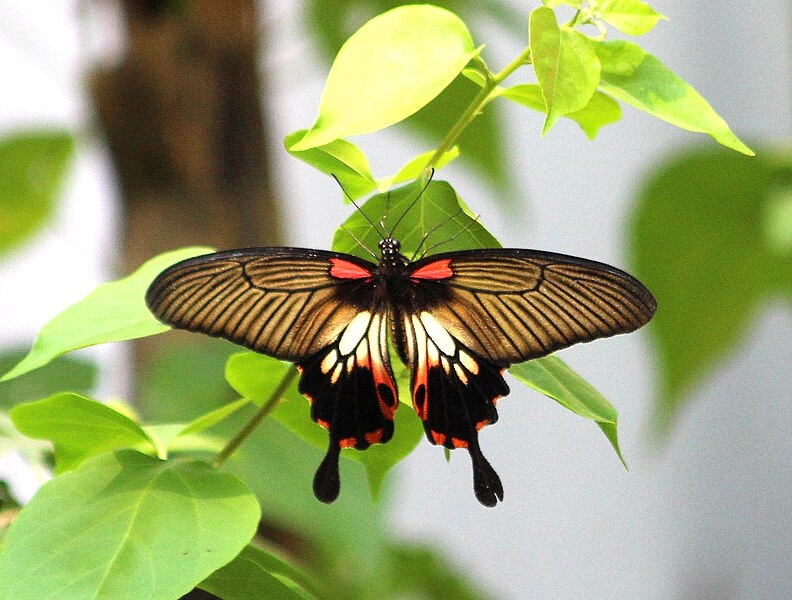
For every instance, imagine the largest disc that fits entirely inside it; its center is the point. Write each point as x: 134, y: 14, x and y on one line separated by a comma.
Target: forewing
x: 511, y: 305
x: 285, y: 302
x: 352, y: 392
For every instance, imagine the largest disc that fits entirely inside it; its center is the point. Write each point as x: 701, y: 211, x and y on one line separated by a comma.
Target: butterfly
x: 456, y: 319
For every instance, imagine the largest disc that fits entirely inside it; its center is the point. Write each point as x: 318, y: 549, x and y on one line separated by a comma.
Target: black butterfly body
x: 457, y: 320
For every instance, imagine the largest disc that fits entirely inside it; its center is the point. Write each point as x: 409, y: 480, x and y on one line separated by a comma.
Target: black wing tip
x: 327, y: 481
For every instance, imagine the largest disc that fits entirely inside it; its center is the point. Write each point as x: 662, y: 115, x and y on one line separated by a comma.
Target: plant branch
x: 478, y: 103
x: 256, y: 419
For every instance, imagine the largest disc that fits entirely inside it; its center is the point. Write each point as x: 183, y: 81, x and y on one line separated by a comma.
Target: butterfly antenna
x: 360, y: 210
x: 413, y: 203
x: 432, y: 230
x: 457, y: 234
x: 359, y: 242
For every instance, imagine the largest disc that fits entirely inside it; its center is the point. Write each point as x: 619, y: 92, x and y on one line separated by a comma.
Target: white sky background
x: 706, y: 517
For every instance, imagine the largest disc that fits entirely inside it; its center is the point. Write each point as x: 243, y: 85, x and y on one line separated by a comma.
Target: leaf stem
x: 477, y: 104
x: 256, y: 419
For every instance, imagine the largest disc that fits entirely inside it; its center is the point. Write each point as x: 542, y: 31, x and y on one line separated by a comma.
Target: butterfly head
x: 390, y: 250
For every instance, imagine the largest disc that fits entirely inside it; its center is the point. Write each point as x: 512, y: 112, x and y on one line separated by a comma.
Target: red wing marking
x: 344, y: 269
x: 458, y: 443
x: 374, y: 437
x: 439, y: 269
x: 439, y: 438
x: 347, y: 442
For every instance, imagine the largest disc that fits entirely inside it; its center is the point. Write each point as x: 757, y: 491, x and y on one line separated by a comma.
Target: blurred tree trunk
x: 183, y: 117
x: 182, y: 113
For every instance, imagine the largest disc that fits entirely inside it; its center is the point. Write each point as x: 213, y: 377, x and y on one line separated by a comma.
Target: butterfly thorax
x: 390, y: 256
x: 391, y: 275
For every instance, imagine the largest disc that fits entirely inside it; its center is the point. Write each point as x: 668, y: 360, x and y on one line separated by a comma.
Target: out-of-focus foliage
x: 712, y: 238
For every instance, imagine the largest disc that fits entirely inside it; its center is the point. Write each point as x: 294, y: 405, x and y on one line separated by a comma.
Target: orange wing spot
x: 495, y: 399
x: 458, y: 443
x: 460, y: 373
x: 439, y: 438
x: 419, y: 401
x: 347, y: 442
x: 440, y: 269
x: 445, y: 364
x: 469, y: 362
x: 386, y: 394
x: 329, y: 361
x: 323, y: 424
x: 481, y: 424
x: 299, y: 368
x: 374, y: 437
x: 343, y: 269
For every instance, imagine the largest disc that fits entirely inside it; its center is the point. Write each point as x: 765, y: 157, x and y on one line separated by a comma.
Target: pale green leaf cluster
x: 390, y: 68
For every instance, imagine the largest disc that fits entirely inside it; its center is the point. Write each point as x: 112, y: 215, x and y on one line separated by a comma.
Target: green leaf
x: 112, y: 312
x: 32, y: 451
x: 701, y: 243
x: 279, y: 467
x: 416, y: 167
x: 257, y: 575
x: 187, y: 437
x: 255, y: 376
x: 482, y: 143
x: 436, y: 220
x: 633, y: 17
x: 183, y: 378
x: 64, y: 373
x: 552, y: 377
x: 391, y: 67
x: 33, y: 167
x: 555, y: 3
x: 422, y: 572
x: 600, y: 111
x: 631, y: 74
x: 565, y: 63
x: 78, y: 428
x: 214, y: 417
x: 126, y: 526
x: 340, y: 158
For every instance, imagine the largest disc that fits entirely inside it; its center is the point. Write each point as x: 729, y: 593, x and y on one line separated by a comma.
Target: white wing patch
x: 354, y: 333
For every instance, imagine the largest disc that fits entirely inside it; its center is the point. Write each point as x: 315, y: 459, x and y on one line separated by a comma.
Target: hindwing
x: 454, y: 393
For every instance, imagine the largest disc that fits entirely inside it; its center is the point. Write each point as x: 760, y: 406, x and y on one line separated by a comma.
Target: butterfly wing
x: 310, y: 307
x: 475, y: 312
x: 511, y: 305
x: 454, y: 393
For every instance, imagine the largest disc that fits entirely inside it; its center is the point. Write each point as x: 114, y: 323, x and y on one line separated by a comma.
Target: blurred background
x: 140, y: 126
